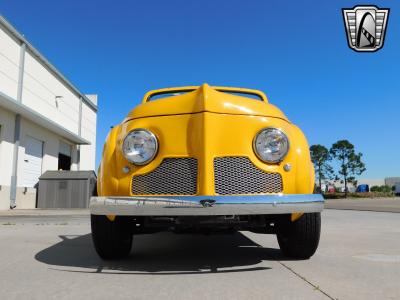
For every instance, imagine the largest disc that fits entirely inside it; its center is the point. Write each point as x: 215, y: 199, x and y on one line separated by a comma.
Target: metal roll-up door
x: 32, y: 161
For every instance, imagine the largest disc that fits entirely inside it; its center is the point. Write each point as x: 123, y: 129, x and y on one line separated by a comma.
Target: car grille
x: 238, y: 175
x: 174, y: 176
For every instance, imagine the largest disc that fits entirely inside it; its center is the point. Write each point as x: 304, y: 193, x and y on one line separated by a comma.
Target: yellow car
x: 205, y: 159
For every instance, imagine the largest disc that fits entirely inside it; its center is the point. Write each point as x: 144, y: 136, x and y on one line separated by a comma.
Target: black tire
x: 112, y: 239
x: 299, y: 239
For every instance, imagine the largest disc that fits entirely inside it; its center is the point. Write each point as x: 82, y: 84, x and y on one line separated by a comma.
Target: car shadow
x: 163, y: 253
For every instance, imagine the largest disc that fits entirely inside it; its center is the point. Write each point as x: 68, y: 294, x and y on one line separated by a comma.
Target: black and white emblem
x: 365, y: 27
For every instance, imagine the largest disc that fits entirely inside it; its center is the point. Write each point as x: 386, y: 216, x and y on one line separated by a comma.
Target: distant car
x: 203, y: 160
x: 331, y: 189
x: 351, y: 189
x: 397, y: 189
x: 362, y: 188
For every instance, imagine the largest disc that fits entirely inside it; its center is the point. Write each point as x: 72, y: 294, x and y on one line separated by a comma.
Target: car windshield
x: 162, y: 95
x: 244, y: 94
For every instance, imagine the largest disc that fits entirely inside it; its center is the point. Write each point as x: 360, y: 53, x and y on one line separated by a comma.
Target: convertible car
x: 206, y: 159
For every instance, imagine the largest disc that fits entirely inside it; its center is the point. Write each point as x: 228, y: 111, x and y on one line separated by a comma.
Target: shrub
x: 386, y: 189
x: 381, y: 189
x: 375, y: 188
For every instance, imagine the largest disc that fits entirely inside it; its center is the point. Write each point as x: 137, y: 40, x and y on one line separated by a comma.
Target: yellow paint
x: 295, y: 216
x: 205, y: 99
x: 111, y: 217
x: 205, y: 123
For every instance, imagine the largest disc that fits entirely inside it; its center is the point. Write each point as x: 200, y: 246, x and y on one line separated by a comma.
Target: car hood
x: 205, y: 99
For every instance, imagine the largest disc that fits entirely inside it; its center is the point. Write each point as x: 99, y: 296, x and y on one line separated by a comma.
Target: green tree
x: 350, y: 163
x: 382, y: 189
x: 386, y: 189
x: 375, y: 188
x: 320, y: 157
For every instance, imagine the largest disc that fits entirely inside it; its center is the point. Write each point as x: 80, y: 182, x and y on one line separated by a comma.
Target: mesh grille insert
x: 238, y: 175
x: 174, y: 176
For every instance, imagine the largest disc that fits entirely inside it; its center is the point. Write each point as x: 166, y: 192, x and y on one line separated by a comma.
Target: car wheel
x: 299, y: 239
x: 112, y: 239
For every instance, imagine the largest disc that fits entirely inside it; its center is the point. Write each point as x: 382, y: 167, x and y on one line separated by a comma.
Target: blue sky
x: 296, y: 52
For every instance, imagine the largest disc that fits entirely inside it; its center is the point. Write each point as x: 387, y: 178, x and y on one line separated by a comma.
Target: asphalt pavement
x: 52, y: 256
x: 367, y: 204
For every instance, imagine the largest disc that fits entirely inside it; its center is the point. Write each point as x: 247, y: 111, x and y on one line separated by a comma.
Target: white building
x: 45, y: 122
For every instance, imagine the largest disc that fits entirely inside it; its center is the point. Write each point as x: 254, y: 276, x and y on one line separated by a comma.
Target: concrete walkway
x: 45, y: 212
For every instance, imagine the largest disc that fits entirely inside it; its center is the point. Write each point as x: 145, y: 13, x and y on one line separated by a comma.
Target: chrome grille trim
x: 238, y: 175
x: 174, y: 176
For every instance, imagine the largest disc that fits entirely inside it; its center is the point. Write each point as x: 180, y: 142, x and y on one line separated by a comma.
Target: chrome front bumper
x: 206, y: 205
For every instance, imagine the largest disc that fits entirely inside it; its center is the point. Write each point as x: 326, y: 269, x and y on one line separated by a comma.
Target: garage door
x: 32, y: 161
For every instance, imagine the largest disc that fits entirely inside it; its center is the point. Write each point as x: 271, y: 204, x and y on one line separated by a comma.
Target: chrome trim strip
x: 194, y: 205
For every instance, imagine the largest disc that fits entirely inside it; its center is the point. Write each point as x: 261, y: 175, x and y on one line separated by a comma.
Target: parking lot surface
x: 52, y: 257
x: 367, y: 204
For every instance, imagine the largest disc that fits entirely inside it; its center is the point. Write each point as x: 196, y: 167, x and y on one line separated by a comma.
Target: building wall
x: 51, y: 146
x: 87, y: 152
x: 9, y: 62
x: 40, y: 89
x: 48, y: 94
x: 26, y: 197
x: 391, y: 181
x: 6, y: 151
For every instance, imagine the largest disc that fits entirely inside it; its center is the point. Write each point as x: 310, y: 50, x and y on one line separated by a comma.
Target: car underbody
x: 207, y: 224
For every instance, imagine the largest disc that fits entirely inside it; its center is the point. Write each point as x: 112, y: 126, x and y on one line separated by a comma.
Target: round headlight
x: 271, y: 145
x: 140, y: 146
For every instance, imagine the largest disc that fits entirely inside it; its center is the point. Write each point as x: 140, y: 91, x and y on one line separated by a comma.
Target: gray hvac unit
x: 66, y: 189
